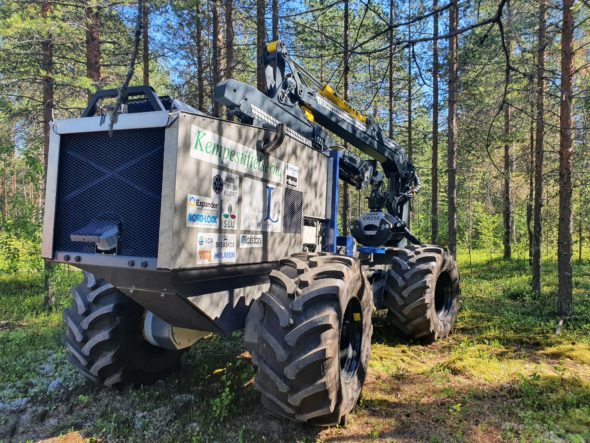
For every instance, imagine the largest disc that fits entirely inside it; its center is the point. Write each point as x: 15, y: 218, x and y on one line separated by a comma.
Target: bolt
x: 131, y: 263
x: 77, y: 259
x: 144, y: 264
x: 66, y: 257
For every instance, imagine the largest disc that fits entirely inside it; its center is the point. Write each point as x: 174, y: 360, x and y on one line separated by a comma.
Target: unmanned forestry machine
x: 186, y: 225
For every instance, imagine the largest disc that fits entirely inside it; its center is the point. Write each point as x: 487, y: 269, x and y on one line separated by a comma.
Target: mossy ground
x: 503, y: 376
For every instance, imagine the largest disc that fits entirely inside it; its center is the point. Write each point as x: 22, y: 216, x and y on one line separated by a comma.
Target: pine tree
x: 145, y: 54
x: 434, y: 162
x: 260, y: 42
x: 539, y: 145
x: 564, y: 242
x: 452, y: 128
x: 93, y: 67
x: 216, y: 56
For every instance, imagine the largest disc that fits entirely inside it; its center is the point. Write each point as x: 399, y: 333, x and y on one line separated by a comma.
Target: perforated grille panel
x: 116, y: 178
x: 293, y: 217
x: 143, y: 105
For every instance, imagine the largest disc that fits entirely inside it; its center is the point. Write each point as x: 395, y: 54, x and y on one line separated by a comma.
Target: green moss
x: 579, y: 352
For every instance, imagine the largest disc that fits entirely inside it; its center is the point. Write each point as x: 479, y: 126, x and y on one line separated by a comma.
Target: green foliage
x: 18, y: 253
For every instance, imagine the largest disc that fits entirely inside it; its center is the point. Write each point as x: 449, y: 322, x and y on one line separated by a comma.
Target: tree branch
x: 122, y: 95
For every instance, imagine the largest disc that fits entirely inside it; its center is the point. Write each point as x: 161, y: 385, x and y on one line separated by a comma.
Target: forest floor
x: 503, y: 376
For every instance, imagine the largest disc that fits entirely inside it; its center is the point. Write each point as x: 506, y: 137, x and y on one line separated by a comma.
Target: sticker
x: 214, y: 248
x: 229, y: 215
x: 201, y: 211
x: 225, y: 189
x: 224, y: 184
x: 213, y: 148
x: 251, y: 241
x: 261, y: 206
x: 292, y: 175
x: 218, y: 210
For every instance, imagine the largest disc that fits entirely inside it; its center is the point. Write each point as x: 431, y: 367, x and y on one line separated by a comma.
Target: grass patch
x: 504, y: 374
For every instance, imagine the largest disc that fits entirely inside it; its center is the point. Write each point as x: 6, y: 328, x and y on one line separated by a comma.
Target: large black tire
x: 104, y: 338
x: 422, y: 292
x: 310, y: 337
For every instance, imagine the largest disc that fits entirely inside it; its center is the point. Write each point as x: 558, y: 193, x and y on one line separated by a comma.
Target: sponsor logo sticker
x: 218, y: 210
x: 292, y: 175
x: 229, y: 218
x: 215, y: 248
x: 251, y: 241
x: 224, y: 185
x: 261, y: 206
x: 201, y: 211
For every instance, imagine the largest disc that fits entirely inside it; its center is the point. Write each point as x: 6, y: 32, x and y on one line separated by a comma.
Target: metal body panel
x: 214, y: 299
x: 194, y: 173
x: 155, y: 119
x: 165, y: 249
x: 50, y: 195
x: 332, y: 203
x: 228, y: 308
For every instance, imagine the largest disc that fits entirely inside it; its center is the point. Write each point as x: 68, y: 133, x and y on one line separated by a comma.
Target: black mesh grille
x: 118, y: 179
x: 139, y: 105
x: 143, y: 105
x: 293, y: 204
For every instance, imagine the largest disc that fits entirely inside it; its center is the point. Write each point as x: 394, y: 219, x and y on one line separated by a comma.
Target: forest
x: 490, y: 100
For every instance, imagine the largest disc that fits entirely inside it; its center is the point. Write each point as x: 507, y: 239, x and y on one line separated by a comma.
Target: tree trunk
x: 275, y: 20
x: 200, y: 49
x: 452, y: 129
x: 530, y: 169
x: 3, y: 203
x: 92, y: 45
x: 564, y: 242
x: 507, y: 194
x: 216, y: 59
x: 145, y: 23
x: 434, y: 167
x: 13, y: 178
x: 507, y: 197
x: 390, y: 101
x: 580, y: 239
x: 5, y: 193
x: 260, y: 42
x: 229, y: 38
x: 346, y: 69
x: 539, y: 143
x: 48, y: 91
x: 409, y: 110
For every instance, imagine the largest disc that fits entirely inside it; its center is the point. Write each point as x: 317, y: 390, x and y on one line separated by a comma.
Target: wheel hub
x: 351, y: 335
x: 443, y: 296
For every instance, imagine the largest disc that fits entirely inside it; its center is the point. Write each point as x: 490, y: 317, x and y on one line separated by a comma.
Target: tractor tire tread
x: 410, y: 292
x: 103, y: 337
x: 292, y: 330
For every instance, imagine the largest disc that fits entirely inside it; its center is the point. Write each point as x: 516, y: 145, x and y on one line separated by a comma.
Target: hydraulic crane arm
x: 307, y: 108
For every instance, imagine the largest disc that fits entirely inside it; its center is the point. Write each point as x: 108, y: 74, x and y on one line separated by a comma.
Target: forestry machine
x: 186, y: 225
